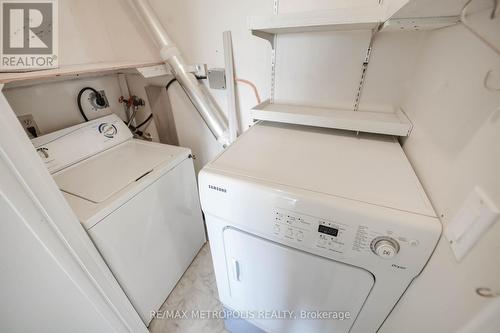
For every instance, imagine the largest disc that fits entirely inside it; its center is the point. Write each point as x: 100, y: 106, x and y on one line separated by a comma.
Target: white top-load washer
x: 137, y: 200
x: 305, y: 219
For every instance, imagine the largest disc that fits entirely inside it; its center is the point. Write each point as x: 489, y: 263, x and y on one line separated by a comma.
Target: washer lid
x: 101, y: 176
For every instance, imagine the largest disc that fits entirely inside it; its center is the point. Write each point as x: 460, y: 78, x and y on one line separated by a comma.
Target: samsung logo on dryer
x: 216, y: 188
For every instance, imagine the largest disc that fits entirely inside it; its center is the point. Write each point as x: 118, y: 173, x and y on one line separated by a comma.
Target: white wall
x: 68, y: 287
x: 324, y: 69
x: 99, y: 31
x: 196, y: 26
x: 37, y: 294
x: 90, y: 31
x: 454, y: 146
x: 53, y: 105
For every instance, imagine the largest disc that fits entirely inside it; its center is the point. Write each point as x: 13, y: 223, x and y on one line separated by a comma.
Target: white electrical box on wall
x: 477, y: 214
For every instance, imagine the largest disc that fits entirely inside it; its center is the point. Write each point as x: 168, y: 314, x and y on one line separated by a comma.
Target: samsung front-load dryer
x: 137, y: 200
x: 314, y: 230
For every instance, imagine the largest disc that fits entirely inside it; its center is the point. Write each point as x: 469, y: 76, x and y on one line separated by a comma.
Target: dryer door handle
x: 236, y: 269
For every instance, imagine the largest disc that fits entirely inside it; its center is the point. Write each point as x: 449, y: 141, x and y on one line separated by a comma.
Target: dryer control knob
x: 385, y: 247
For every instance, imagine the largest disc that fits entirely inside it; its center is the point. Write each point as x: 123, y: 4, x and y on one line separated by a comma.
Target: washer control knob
x: 385, y: 247
x: 108, y: 130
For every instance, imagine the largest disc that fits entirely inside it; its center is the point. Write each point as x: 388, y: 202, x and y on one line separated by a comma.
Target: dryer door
x: 269, y: 279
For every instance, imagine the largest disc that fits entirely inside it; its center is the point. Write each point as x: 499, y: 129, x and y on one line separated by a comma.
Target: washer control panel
x: 65, y: 147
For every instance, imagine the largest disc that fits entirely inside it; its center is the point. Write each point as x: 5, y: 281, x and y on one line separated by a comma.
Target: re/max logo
x: 216, y: 188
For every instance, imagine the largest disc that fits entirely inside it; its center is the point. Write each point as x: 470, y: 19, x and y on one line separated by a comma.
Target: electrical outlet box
x: 477, y: 214
x: 29, y: 125
x: 217, y: 78
x: 200, y: 70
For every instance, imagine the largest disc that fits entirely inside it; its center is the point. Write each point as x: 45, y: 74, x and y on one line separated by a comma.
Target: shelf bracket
x: 264, y: 35
x: 419, y: 23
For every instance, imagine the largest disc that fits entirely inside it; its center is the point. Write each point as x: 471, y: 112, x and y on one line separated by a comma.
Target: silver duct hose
x: 197, y: 92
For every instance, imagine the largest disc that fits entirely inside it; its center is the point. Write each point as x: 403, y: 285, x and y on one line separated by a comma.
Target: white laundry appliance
x: 314, y: 230
x: 137, y: 200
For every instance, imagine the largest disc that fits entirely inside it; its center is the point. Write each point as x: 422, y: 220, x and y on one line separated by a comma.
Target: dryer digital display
x: 328, y: 230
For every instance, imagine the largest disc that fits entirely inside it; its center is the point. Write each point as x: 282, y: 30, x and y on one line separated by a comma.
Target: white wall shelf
x: 73, y: 71
x: 390, y: 123
x: 341, y: 19
x: 375, y: 18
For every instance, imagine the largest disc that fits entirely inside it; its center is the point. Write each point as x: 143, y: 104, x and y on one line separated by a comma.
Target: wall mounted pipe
x: 197, y: 92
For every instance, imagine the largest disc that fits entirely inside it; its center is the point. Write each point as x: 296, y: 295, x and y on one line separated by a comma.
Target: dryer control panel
x: 319, y: 232
x: 291, y: 225
x: 337, y: 237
